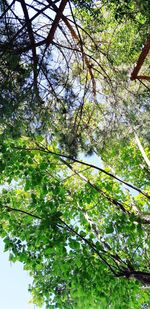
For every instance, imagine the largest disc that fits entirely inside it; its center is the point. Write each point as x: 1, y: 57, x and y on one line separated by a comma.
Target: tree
x: 60, y: 96
x: 81, y: 230
x: 70, y: 226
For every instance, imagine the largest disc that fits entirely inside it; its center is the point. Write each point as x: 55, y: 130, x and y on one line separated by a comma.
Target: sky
x: 13, y: 284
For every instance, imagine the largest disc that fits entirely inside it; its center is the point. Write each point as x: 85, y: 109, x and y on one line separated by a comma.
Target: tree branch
x: 86, y: 164
x: 141, y: 59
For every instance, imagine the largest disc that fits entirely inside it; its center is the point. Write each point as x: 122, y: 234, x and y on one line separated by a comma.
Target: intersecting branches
x: 33, y: 44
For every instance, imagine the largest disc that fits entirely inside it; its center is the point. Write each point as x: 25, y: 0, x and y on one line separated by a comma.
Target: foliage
x: 57, y: 96
x: 82, y: 231
x: 73, y: 228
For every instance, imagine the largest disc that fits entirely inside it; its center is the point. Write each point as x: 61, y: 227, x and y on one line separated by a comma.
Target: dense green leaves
x: 71, y: 231
x: 82, y: 231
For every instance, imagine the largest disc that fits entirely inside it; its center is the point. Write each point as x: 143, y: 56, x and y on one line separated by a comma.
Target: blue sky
x: 13, y: 284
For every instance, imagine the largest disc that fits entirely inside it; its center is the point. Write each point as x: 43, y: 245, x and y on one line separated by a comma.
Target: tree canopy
x: 74, y: 135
